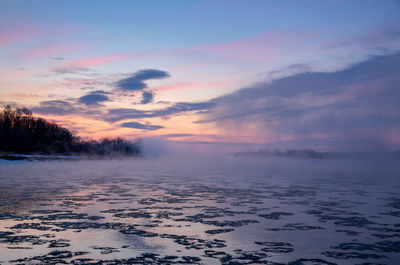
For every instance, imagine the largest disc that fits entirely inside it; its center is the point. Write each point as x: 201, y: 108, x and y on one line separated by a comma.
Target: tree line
x: 21, y: 132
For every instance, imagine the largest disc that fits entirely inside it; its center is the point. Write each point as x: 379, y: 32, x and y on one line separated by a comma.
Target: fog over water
x: 216, y: 209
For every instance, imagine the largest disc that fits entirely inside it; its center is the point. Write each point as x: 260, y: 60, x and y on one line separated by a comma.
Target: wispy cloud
x: 178, y: 135
x: 57, y: 107
x: 192, y: 85
x: 49, y: 50
x: 71, y: 66
x: 67, y: 107
x: 17, y: 36
x: 379, y: 36
x: 262, y: 47
x: 174, y: 110
x: 340, y: 105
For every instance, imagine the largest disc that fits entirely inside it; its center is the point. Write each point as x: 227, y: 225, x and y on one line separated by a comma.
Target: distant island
x: 302, y: 153
x: 22, y: 133
x: 312, y: 154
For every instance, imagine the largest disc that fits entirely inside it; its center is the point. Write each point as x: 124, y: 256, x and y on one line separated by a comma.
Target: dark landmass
x: 312, y: 154
x: 22, y: 133
x: 302, y: 153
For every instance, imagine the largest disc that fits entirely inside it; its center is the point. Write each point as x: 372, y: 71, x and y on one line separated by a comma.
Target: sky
x: 243, y: 74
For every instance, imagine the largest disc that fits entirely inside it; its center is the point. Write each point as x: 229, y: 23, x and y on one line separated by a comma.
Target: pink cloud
x: 14, y: 74
x: 9, y: 38
x: 392, y: 138
x: 94, y: 61
x: 190, y: 66
x: 21, y: 95
x: 261, y: 47
x: 49, y: 50
x: 82, y: 82
x: 29, y: 87
x: 367, y: 89
x: 190, y: 85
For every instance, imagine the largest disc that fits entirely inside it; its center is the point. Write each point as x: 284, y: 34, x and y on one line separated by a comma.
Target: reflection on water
x: 216, y: 211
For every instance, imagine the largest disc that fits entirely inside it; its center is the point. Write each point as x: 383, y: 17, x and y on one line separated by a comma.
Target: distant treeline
x: 20, y: 132
x: 312, y: 154
x: 302, y: 153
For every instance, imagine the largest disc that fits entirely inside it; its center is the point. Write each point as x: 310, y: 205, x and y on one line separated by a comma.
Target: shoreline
x: 37, y: 157
x: 26, y: 157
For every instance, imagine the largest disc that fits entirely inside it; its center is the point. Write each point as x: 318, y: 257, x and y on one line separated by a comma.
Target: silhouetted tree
x: 21, y: 132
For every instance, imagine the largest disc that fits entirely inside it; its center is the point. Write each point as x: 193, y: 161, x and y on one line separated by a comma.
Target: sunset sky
x: 272, y: 74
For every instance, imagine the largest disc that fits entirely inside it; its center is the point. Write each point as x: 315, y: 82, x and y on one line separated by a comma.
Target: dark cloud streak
x: 136, y: 81
x: 179, y: 108
x: 147, y: 97
x: 137, y: 125
x: 58, y: 107
x: 94, y: 98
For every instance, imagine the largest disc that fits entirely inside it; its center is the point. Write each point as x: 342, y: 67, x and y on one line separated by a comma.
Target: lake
x: 203, y: 210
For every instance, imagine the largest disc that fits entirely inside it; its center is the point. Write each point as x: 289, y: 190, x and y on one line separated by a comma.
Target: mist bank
x: 154, y: 147
x: 22, y: 133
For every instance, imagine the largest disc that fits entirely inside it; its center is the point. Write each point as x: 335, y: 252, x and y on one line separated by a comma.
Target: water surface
x: 217, y: 210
